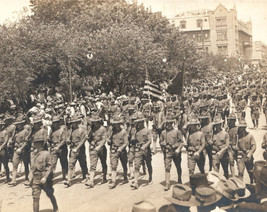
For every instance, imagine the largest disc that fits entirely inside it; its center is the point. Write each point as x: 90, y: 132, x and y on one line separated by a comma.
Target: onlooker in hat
x: 171, y: 143
x: 220, y: 144
x: 255, y: 106
x: 77, y: 149
x: 3, y: 149
x: 21, y: 149
x: 143, y: 137
x: 195, y: 142
x: 246, y: 147
x: 97, y: 149
x: 41, y: 174
x: 260, y: 175
x: 118, y: 142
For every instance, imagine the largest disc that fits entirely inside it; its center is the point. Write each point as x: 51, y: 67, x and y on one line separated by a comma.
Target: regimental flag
x: 176, y: 85
x: 152, y: 89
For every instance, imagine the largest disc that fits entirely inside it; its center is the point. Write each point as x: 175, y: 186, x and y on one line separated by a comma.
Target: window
x: 221, y: 35
x: 199, y: 37
x: 183, y: 24
x: 199, y: 23
x: 206, y: 35
x: 207, y: 49
x: 221, y: 21
x: 222, y: 50
x: 194, y: 36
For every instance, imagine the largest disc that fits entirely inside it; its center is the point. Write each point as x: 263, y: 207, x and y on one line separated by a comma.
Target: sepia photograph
x: 133, y: 106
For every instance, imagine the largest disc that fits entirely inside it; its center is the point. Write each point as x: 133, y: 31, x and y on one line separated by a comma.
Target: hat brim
x: 19, y: 122
x: 217, y: 123
x: 95, y: 120
x: 74, y: 121
x: 203, y: 117
x: 139, y: 120
x: 170, y: 121
x: 193, y: 201
x: 188, y: 184
x: 117, y: 122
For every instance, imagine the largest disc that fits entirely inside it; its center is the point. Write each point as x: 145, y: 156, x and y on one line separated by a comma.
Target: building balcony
x: 247, y: 44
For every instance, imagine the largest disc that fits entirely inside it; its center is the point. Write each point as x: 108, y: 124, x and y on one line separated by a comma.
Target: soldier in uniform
x: 58, y: 145
x: 3, y: 149
x: 41, y: 173
x: 255, y: 110
x: 143, y: 137
x: 21, y: 150
x: 232, y: 151
x: 246, y: 147
x: 11, y: 130
x: 77, y: 149
x: 195, y: 146
x: 157, y: 124
x: 118, y: 143
x: 206, y: 128
x: 171, y: 144
x: 97, y: 149
x: 220, y: 145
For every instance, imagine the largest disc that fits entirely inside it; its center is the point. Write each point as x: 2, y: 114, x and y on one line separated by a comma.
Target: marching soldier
x: 143, y: 137
x: 220, y: 145
x: 77, y: 149
x: 97, y: 149
x: 11, y: 130
x: 3, y: 149
x: 58, y: 145
x: 246, y: 147
x: 232, y: 151
x: 118, y: 143
x: 206, y: 128
x: 21, y: 150
x: 255, y: 110
x: 195, y: 147
x: 171, y: 144
x: 41, y: 173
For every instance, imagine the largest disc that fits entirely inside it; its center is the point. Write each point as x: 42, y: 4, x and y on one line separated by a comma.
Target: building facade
x: 259, y: 54
x: 218, y: 31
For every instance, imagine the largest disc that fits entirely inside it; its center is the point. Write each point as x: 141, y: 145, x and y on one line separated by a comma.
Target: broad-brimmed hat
x: 182, y: 195
x: 204, y: 115
x: 95, y: 118
x: 8, y: 118
x: 19, y: 120
x: 193, y: 121
x: 242, y: 123
x: 56, y: 119
x: 117, y: 120
x: 170, y: 118
x: 198, y: 180
x: 36, y: 120
x: 228, y: 189
x: 144, y: 206
x: 217, y: 120
x: 232, y: 116
x: 214, y: 177
x: 72, y: 103
x: 140, y: 118
x: 75, y: 118
x: 241, y: 188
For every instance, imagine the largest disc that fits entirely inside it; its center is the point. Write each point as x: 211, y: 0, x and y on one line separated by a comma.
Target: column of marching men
x: 207, y: 123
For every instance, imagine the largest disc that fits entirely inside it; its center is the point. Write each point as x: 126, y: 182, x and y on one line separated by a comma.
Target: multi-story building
x: 259, y: 54
x: 218, y: 31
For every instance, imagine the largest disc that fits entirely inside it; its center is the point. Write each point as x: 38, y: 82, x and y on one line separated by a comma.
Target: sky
x: 246, y: 9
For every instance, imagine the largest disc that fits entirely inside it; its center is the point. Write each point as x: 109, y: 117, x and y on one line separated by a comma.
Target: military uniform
x: 21, y: 152
x: 97, y: 139
x: 195, y: 147
x: 220, y: 145
x: 170, y: 141
x: 264, y: 146
x: 59, y: 150
x: 119, y: 141
x: 77, y: 150
x: 246, y: 147
x: 3, y: 151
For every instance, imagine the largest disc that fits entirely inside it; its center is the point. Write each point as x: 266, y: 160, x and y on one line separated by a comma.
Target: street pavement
x: 78, y: 198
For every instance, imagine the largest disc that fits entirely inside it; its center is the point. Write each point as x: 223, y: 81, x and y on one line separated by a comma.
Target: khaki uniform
x: 3, y: 152
x: 195, y: 144
x: 246, y: 145
x: 220, y: 146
